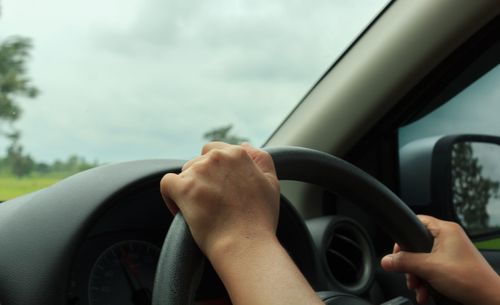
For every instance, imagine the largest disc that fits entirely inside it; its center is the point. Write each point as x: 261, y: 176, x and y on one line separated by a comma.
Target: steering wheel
x: 181, y: 261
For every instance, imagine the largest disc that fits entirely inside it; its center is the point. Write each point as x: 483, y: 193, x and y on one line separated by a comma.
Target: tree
x: 20, y: 164
x: 471, y: 190
x: 14, y: 83
x: 223, y: 134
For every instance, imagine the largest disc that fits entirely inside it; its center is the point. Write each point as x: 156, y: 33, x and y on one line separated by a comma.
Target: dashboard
x: 116, y: 260
x: 94, y: 239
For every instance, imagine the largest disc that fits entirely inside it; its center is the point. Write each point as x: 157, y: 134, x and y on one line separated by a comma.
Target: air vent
x: 346, y: 253
x: 344, y: 256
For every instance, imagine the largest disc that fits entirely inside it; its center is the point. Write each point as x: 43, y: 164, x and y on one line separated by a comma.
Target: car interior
x: 350, y: 186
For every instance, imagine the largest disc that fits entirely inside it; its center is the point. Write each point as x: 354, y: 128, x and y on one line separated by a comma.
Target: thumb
x: 407, y: 262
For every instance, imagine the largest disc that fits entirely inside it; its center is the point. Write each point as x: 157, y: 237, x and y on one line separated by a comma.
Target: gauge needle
x: 140, y: 294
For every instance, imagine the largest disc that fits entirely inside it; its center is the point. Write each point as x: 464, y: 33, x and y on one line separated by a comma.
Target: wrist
x: 235, y: 246
x: 261, y: 264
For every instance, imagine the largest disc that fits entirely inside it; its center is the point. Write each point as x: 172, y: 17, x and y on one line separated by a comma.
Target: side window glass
x: 475, y: 168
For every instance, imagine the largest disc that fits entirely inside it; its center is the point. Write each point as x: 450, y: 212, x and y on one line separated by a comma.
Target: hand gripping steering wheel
x: 181, y: 261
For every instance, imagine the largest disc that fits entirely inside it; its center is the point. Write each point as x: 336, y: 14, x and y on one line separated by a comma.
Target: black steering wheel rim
x: 181, y: 262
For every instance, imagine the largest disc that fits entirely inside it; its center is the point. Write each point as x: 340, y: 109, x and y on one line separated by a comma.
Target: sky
x: 137, y: 79
x: 474, y: 110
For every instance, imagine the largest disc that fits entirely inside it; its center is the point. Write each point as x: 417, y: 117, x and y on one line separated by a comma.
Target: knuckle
x: 215, y: 155
x: 238, y: 153
x: 264, y: 154
x: 202, y: 168
x: 452, y: 227
x: 206, y: 148
x: 226, y: 155
x: 218, y: 154
x: 187, y: 165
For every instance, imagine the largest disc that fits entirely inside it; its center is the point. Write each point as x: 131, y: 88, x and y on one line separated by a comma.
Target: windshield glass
x: 109, y: 81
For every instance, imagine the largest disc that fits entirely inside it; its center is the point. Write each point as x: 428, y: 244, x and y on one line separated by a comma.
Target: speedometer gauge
x: 124, y: 274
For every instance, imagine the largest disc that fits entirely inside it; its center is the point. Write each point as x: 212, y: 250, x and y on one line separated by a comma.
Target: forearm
x: 488, y: 292
x: 261, y: 272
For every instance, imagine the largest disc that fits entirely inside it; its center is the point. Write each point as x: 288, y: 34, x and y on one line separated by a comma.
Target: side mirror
x: 459, y: 176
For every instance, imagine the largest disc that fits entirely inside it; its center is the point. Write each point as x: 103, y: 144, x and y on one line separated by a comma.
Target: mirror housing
x: 456, y: 177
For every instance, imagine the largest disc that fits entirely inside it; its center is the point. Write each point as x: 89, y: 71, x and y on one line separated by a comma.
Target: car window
x: 110, y: 81
x: 475, y: 110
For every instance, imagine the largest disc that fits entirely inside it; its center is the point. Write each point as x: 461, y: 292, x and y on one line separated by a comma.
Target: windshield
x: 109, y: 81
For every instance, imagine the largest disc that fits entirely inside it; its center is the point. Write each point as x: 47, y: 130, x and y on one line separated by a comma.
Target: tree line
x: 20, y: 164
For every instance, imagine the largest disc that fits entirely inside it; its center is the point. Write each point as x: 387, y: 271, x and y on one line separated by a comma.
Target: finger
x: 263, y: 159
x: 166, y: 184
x: 407, y: 278
x: 408, y: 262
x: 422, y: 294
x: 427, y: 220
x: 191, y: 162
x: 396, y: 248
x: 432, y: 224
x: 214, y: 145
x: 412, y: 282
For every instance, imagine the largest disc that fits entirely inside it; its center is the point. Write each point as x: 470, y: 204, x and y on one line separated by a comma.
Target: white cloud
x: 139, y: 79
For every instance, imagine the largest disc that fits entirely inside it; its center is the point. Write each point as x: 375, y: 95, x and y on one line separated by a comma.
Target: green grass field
x: 492, y: 244
x: 11, y: 187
